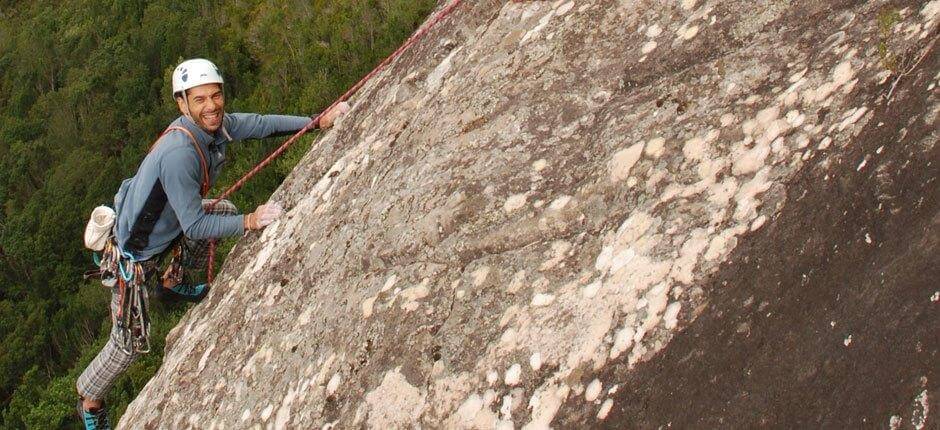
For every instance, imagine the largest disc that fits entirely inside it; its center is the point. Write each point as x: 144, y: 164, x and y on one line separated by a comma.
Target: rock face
x: 607, y: 213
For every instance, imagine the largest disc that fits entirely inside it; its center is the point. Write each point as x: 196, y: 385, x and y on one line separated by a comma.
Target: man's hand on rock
x: 330, y: 117
x: 264, y: 215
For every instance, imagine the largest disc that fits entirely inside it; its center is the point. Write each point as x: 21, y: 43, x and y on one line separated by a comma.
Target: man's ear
x: 180, y: 104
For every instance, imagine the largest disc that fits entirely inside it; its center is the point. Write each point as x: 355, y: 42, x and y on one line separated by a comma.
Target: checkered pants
x: 95, y: 382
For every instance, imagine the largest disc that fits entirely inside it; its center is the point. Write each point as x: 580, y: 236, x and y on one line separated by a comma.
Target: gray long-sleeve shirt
x: 162, y: 200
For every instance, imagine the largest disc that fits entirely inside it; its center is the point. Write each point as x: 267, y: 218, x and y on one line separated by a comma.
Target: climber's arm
x: 254, y: 126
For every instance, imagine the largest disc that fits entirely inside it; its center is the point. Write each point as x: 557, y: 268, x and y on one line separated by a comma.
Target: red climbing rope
x: 316, y: 120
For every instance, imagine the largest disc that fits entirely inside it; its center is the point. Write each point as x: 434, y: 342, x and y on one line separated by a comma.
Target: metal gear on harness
x: 133, y: 316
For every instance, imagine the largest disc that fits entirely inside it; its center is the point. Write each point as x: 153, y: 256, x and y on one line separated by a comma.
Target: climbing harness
x: 119, y: 268
x: 314, y: 123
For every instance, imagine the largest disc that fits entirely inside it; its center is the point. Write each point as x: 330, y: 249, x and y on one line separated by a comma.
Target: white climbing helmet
x: 193, y: 73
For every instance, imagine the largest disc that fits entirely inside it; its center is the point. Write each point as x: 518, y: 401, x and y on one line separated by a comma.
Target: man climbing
x: 162, y: 208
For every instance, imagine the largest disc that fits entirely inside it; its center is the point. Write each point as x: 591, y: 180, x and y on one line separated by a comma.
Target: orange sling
x: 204, y: 188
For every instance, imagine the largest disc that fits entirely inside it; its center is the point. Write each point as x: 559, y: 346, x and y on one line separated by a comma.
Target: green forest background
x: 84, y: 89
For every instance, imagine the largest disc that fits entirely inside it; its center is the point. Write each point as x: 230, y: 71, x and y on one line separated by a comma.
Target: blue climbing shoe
x: 94, y: 420
x: 182, y: 293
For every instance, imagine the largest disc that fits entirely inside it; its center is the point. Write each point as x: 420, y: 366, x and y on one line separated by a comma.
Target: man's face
x: 206, y: 106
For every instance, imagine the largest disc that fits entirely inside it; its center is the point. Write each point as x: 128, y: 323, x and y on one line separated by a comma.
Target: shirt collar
x: 201, y: 135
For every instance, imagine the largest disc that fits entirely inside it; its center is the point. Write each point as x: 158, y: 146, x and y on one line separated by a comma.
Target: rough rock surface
x: 608, y: 213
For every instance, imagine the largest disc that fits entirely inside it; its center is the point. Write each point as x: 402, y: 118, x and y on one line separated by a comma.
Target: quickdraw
x: 133, y: 317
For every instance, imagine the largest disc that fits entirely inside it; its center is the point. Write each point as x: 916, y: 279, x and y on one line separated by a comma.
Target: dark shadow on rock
x: 825, y: 318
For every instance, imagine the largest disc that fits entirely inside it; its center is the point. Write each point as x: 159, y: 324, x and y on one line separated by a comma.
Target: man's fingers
x: 266, y: 214
x: 275, y: 207
x: 333, y: 114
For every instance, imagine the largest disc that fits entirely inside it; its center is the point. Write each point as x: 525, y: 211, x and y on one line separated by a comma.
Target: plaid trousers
x: 97, y: 379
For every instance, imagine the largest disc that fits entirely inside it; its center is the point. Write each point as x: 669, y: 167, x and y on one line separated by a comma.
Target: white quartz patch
x: 688, y: 255
x: 538, y: 28
x: 535, y: 361
x: 542, y: 299
x: 513, y: 375
x: 563, y: 9
x: 368, y: 306
x: 333, y: 385
x: 593, y: 390
x: 479, y: 275
x: 670, y: 317
x: 417, y: 292
x: 545, y: 403
x: 266, y: 412
x: 395, y: 403
x: 539, y: 165
x: 514, y: 203
x: 605, y: 409
x: 842, y: 73
x: 305, y: 316
x: 622, y: 162
x: 283, y: 413
x: 389, y: 283
x: 748, y: 161
x: 694, y: 148
x: 436, y: 77
x: 852, y: 117
x: 559, y: 203
x: 492, y: 376
x: 689, y: 33
x: 591, y: 290
x: 469, y: 408
x: 623, y: 341
x: 205, y: 358
x: 654, y: 148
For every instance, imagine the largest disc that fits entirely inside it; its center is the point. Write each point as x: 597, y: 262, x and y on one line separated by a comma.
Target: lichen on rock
x: 504, y: 216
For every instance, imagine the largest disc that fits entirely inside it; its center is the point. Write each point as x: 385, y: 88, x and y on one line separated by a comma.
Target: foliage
x: 84, y: 88
x: 887, y: 18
